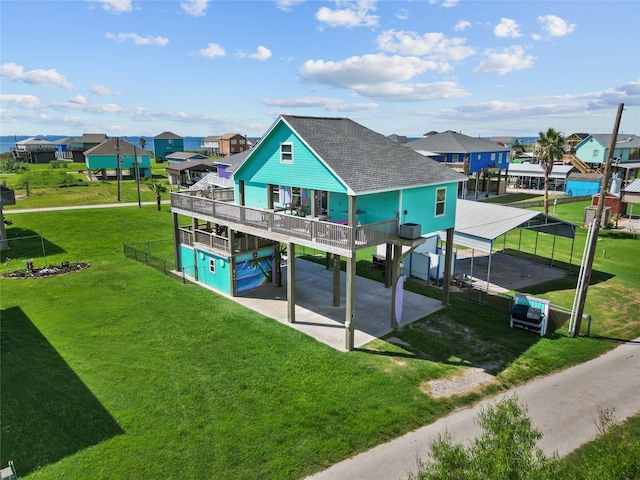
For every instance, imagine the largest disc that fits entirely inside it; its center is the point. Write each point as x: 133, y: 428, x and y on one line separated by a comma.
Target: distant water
x: 7, y: 142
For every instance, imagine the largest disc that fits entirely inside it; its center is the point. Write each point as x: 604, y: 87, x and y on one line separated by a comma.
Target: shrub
x: 11, y: 165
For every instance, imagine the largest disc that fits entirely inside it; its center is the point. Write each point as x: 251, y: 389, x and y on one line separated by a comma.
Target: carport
x: 479, y: 224
x: 631, y: 194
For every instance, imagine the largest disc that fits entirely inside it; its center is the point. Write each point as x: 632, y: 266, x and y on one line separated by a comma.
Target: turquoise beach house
x: 115, y: 152
x: 165, y: 144
x: 325, y: 183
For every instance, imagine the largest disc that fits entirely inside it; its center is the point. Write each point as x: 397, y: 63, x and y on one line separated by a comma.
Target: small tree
x: 506, y: 450
x: 157, y: 187
x: 550, y: 148
x: 143, y: 142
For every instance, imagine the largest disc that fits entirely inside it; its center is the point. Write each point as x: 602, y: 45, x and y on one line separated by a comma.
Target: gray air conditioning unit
x: 410, y: 231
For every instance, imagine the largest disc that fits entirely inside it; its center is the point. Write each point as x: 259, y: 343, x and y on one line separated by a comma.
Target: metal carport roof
x: 478, y: 224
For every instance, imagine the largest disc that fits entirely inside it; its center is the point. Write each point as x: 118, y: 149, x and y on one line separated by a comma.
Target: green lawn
x: 119, y: 371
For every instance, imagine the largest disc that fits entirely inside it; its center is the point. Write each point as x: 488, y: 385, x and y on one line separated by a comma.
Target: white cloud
x: 13, y: 71
x: 354, y: 14
x: 98, y: 89
x: 326, y: 103
x: 137, y: 39
x: 213, y: 50
x: 287, y: 5
x: 445, y: 3
x: 78, y: 99
x: 462, y: 25
x: 433, y: 45
x: 29, y: 102
x: 197, y: 8
x: 509, y: 60
x: 262, y: 53
x: 116, y: 6
x: 416, y: 92
x: 556, y: 26
x: 507, y: 28
x: 368, y: 69
x: 402, y: 14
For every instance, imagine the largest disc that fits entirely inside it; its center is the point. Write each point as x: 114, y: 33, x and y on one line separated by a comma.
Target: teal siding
x: 591, y: 151
x: 186, y: 260
x: 221, y: 278
x: 375, y: 207
x: 111, y: 161
x: 164, y: 146
x: 420, y: 205
x: 306, y: 171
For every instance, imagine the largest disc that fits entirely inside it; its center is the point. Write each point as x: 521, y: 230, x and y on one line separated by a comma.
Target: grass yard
x: 119, y: 371
x: 48, y: 188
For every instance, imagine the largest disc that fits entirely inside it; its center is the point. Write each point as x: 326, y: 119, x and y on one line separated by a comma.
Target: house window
x: 500, y: 157
x: 212, y: 265
x: 234, y: 141
x: 286, y: 153
x: 242, y: 141
x: 455, y: 157
x: 596, y: 153
x: 441, y: 195
x: 493, y: 157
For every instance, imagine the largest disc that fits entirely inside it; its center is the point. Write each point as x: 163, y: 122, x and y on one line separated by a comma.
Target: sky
x: 209, y: 67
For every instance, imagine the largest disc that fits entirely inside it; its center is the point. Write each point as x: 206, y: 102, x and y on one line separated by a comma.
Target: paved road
x: 563, y: 406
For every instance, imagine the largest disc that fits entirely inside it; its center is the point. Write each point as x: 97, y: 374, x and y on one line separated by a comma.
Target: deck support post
x: 350, y: 310
x: 448, y: 259
x: 336, y: 280
x: 291, y: 282
x: 176, y: 241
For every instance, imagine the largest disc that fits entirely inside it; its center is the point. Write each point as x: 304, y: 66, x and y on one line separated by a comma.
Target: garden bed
x: 50, y: 271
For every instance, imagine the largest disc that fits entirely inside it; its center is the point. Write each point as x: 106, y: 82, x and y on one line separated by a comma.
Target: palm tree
x: 143, y: 142
x: 157, y: 187
x: 550, y: 147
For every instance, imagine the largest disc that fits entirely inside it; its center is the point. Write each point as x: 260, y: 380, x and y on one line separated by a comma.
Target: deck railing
x: 310, y: 230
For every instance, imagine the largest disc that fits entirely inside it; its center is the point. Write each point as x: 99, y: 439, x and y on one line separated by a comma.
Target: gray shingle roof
x: 168, y: 135
x: 92, y: 138
x: 186, y: 156
x: 111, y: 146
x: 452, y: 142
x: 197, y: 165
x: 364, y: 160
x: 622, y: 140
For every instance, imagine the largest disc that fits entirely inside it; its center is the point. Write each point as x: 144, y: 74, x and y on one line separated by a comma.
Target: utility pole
x: 597, y: 221
x: 118, y: 168
x: 135, y: 162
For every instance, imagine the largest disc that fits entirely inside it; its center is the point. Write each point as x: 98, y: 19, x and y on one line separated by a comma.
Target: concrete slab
x: 507, y: 272
x: 315, y: 315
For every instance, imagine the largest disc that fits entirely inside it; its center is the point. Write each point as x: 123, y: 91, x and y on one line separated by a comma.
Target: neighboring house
x: 583, y: 184
x: 325, y: 183
x: 87, y: 141
x: 105, y: 157
x: 398, y: 138
x: 189, y: 172
x: 463, y: 153
x: 65, y: 152
x: 527, y: 176
x: 165, y: 144
x: 210, y: 144
x: 594, y: 149
x: 573, y: 140
x: 35, y: 150
x: 505, y: 141
x: 231, y: 143
x: 178, y: 157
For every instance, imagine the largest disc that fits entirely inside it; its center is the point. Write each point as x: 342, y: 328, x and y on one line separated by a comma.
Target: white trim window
x: 212, y: 265
x: 286, y: 152
x: 275, y: 195
x: 441, y: 198
x: 455, y: 157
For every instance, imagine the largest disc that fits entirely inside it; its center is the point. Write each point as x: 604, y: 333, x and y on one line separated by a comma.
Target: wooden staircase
x: 576, y: 162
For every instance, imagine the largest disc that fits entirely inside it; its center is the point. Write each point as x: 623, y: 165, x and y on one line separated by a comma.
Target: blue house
x: 583, y: 184
x: 324, y: 183
x: 464, y: 153
x: 165, y: 144
x: 115, y: 152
